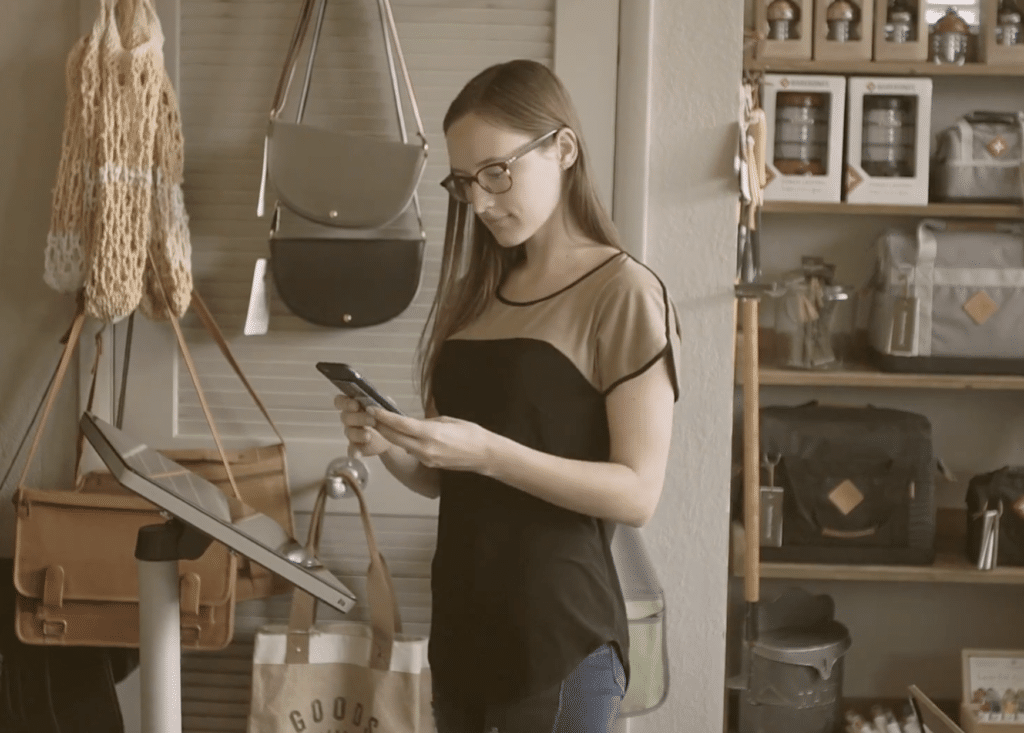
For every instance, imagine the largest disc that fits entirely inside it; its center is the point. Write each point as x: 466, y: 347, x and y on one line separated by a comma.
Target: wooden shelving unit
x: 866, y: 376
x: 947, y: 211
x: 880, y: 68
x: 951, y: 564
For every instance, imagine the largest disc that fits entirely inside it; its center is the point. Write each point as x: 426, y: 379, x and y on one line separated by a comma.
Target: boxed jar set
x: 887, y: 140
x: 804, y: 149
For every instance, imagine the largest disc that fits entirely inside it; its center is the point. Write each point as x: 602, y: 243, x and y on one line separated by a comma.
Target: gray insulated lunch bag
x: 949, y: 298
x: 858, y: 484
x: 980, y: 158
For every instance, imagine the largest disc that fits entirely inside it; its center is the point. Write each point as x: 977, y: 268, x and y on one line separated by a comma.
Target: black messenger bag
x: 1001, y: 491
x: 858, y: 484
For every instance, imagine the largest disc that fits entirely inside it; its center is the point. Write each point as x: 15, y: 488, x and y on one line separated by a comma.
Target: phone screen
x: 351, y: 383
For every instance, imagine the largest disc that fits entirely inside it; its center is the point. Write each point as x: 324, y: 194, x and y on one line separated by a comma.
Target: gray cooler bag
x: 949, y: 298
x: 980, y: 159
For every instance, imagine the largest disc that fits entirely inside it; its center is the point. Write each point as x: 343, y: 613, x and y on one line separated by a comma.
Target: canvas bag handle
x: 385, y: 618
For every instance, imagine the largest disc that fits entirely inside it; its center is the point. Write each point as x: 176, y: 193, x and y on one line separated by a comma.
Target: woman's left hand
x: 437, y: 442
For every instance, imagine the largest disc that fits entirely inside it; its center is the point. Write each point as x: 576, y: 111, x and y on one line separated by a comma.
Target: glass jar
x: 801, y: 133
x: 888, y: 135
x: 950, y: 39
x: 782, y: 17
x: 805, y: 322
x: 901, y: 23
x: 840, y: 18
x: 1008, y: 24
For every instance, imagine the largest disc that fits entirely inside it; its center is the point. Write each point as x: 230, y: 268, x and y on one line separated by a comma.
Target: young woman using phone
x: 548, y: 374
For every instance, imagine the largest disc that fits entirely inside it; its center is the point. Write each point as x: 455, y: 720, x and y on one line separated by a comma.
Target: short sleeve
x: 637, y: 324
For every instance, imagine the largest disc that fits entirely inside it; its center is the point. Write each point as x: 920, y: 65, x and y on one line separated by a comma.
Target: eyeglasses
x: 494, y: 178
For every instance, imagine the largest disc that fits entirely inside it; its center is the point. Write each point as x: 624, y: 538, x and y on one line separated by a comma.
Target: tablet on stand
x: 201, y: 513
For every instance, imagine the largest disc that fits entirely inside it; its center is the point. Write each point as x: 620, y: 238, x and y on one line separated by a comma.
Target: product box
x: 888, y: 140
x: 993, y: 46
x: 993, y: 691
x: 843, y: 30
x: 804, y: 152
x: 901, y: 31
x: 784, y: 28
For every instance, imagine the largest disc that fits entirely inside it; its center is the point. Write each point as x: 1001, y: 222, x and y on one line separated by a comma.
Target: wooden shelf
x: 949, y: 211
x: 950, y: 566
x: 865, y: 376
x: 882, y: 68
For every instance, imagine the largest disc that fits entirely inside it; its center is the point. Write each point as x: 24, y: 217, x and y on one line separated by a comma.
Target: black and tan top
x: 524, y: 590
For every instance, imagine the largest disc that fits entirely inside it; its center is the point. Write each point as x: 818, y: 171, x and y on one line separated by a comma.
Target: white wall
x: 690, y: 219
x: 34, y: 41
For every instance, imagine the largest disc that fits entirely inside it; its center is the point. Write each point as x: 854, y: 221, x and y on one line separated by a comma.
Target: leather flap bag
x: 346, y: 277
x: 75, y: 573
x: 74, y: 567
x: 337, y: 178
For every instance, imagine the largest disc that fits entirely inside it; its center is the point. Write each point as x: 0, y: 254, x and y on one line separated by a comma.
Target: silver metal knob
x: 342, y: 473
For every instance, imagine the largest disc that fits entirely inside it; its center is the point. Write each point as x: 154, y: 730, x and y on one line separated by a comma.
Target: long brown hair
x: 519, y: 95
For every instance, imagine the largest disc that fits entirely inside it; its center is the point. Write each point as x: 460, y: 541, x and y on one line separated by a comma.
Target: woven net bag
x: 167, y: 281
x: 68, y: 241
x: 132, y: 80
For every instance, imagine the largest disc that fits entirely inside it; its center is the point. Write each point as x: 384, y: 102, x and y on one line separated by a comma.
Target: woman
x: 547, y: 369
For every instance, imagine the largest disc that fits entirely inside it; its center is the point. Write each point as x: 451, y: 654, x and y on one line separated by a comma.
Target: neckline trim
x: 558, y: 292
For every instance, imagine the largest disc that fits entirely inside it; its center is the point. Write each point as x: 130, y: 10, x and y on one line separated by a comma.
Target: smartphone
x: 352, y: 384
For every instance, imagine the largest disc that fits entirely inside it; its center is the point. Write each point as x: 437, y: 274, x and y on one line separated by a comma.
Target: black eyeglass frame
x: 450, y: 183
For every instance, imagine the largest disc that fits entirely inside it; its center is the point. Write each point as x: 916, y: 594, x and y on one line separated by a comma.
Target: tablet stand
x: 158, y: 549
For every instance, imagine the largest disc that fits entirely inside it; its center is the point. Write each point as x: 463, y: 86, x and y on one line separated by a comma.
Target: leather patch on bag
x: 980, y: 307
x: 846, y: 496
x: 997, y: 146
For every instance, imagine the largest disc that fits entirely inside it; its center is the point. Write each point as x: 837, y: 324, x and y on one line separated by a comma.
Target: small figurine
x: 840, y: 16
x: 950, y: 36
x: 782, y: 17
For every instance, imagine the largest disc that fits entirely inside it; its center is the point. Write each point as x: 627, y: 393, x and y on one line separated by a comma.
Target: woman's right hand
x: 360, y: 427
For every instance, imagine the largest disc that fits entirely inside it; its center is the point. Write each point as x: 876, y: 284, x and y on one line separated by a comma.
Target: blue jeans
x: 587, y: 701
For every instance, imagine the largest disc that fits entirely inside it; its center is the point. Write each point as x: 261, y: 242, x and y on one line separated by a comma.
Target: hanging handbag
x: 55, y: 689
x: 341, y: 179
x: 69, y: 237
x: 74, y: 566
x: 342, y: 675
x: 131, y: 74
x: 346, y: 238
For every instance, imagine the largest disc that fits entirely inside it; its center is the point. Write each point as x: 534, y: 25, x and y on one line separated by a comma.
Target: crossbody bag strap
x: 199, y: 306
x: 190, y: 365
x: 73, y: 335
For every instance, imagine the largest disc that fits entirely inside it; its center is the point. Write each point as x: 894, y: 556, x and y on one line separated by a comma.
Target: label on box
x: 998, y: 673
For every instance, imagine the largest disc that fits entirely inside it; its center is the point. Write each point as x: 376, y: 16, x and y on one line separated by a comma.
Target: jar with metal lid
x: 841, y: 16
x: 888, y: 135
x: 950, y: 38
x: 901, y: 22
x: 782, y: 19
x: 1008, y: 24
x: 801, y: 133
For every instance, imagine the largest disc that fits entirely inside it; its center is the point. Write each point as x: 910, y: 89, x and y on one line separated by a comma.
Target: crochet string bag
x: 170, y: 249
x: 68, y: 242
x: 131, y: 63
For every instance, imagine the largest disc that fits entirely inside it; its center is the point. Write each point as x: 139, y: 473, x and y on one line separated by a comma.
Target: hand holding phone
x: 352, y: 384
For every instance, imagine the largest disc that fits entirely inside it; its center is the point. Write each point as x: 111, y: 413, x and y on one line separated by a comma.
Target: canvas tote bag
x: 321, y: 676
